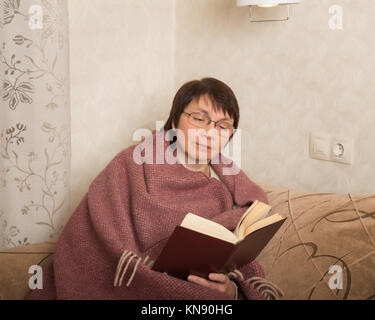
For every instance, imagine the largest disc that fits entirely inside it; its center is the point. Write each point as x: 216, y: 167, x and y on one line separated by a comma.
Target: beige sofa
x: 325, y: 249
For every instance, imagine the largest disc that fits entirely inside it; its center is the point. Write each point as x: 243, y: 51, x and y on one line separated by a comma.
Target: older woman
x: 205, y: 114
x: 108, y: 247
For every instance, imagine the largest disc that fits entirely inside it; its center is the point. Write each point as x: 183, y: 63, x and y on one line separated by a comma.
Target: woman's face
x: 202, y: 144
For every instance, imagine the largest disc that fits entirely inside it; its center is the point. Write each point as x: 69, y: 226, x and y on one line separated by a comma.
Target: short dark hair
x: 220, y: 94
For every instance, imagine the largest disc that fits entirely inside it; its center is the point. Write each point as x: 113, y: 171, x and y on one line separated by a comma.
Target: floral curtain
x: 34, y: 121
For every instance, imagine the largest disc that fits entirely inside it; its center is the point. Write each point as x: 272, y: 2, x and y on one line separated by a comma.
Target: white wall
x: 291, y: 78
x: 121, y: 78
x: 128, y: 58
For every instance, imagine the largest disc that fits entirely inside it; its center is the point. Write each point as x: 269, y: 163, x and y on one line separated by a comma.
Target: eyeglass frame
x: 210, y: 120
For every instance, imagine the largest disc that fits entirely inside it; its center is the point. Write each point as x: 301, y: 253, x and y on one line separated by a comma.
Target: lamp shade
x: 242, y: 3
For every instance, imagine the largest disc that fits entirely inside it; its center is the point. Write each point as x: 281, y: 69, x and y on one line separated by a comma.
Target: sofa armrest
x: 14, y: 268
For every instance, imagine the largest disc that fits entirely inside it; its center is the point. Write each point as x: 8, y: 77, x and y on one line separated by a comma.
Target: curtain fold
x: 34, y: 121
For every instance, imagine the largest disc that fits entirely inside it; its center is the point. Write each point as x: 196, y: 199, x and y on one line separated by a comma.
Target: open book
x: 200, y: 246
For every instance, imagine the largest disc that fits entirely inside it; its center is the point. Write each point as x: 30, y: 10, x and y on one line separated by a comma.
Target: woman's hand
x: 220, y: 282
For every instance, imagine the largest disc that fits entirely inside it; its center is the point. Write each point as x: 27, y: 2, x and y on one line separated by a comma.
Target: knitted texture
x: 126, y: 217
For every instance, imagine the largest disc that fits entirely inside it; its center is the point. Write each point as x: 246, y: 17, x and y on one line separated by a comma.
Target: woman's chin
x: 201, y: 157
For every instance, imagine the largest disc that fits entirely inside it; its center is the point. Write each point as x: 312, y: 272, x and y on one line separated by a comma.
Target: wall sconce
x: 264, y: 6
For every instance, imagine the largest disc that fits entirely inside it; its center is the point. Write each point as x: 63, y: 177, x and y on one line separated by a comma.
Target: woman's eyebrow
x: 206, y: 112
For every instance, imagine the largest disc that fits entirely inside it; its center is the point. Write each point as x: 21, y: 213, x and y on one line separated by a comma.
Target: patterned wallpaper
x: 34, y: 121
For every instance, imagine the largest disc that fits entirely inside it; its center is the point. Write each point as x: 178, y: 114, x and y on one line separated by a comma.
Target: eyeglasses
x: 202, y: 120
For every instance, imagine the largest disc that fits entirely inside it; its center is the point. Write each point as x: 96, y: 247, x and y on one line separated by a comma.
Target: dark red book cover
x: 191, y: 252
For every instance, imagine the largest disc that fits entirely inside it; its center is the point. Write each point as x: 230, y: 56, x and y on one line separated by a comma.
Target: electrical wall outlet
x: 342, y: 150
x: 337, y: 149
x: 320, y: 146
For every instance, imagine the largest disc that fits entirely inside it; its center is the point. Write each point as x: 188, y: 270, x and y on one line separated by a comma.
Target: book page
x: 208, y: 227
x: 262, y: 223
x: 257, y: 211
x: 246, y: 213
x: 260, y: 212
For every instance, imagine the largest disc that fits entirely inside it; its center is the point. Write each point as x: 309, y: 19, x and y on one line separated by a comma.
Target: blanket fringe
x: 270, y: 290
x: 128, y: 255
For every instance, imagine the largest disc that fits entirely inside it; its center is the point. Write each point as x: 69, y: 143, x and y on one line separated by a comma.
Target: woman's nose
x: 210, y: 130
x: 213, y: 123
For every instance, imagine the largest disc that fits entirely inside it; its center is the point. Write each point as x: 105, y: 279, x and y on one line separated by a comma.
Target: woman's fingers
x: 198, y: 280
x: 217, y: 281
x: 204, y: 282
x: 220, y: 277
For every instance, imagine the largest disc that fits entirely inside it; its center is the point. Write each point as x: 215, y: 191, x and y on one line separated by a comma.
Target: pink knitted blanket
x: 122, y: 223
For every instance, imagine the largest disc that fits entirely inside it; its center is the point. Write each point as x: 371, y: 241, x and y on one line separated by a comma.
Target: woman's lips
x: 204, y: 147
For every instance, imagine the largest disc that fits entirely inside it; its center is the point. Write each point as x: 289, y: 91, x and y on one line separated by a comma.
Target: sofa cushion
x: 326, y: 235
x: 322, y: 230
x: 14, y: 268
